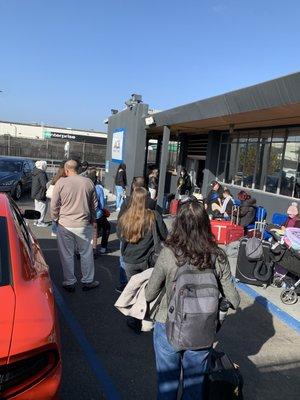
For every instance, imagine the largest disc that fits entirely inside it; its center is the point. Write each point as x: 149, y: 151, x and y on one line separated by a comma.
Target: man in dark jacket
x: 38, y: 191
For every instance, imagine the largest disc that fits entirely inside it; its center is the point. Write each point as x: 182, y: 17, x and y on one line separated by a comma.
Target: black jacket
x: 136, y: 253
x: 247, y: 211
x: 38, y: 186
x: 184, y: 184
x: 121, y: 179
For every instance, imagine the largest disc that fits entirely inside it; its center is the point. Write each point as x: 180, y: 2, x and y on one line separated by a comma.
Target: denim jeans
x: 169, y: 364
x: 122, y: 272
x: 54, y: 227
x: 119, y: 194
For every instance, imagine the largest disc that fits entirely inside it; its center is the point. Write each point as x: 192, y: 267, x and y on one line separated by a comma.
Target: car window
x: 5, y: 269
x: 26, y: 167
x: 21, y: 224
x: 10, y: 166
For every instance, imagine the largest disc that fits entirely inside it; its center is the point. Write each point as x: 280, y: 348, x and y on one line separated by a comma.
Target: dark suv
x: 15, y: 175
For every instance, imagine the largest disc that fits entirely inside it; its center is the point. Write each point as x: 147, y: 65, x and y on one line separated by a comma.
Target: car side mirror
x: 31, y: 214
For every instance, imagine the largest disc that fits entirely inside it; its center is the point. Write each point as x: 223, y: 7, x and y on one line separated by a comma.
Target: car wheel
x: 18, y: 192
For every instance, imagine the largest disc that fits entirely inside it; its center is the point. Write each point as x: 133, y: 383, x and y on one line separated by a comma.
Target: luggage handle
x: 237, y: 215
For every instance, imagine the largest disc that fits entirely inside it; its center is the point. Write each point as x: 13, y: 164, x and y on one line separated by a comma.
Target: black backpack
x: 193, y: 308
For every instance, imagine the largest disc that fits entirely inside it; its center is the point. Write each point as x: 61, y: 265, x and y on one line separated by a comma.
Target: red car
x: 30, y: 361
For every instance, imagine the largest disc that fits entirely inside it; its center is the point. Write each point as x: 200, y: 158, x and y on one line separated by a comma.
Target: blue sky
x: 68, y: 62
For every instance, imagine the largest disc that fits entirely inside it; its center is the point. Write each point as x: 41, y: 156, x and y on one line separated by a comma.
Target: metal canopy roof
x: 276, y: 102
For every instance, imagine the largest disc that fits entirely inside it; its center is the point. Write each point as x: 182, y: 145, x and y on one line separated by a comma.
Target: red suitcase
x: 226, y: 231
x: 174, y: 207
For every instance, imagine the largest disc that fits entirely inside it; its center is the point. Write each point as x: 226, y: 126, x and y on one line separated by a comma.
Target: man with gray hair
x: 73, y: 207
x: 38, y: 191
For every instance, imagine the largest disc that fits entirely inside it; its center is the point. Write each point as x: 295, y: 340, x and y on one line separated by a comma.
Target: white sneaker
x: 118, y: 209
x: 42, y: 225
x: 53, y: 234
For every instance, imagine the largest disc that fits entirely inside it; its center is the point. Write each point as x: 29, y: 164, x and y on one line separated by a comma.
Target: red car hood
x: 7, y: 313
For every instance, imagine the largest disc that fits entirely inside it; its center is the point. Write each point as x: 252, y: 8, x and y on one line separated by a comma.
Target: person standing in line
x: 84, y: 169
x: 153, y: 183
x: 137, y: 182
x: 120, y: 183
x: 38, y: 191
x: 136, y: 231
x: 184, y: 184
x: 73, y: 207
x: 192, y: 243
x: 102, y: 223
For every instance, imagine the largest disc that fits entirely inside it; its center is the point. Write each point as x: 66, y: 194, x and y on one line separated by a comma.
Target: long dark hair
x: 192, y: 240
x: 122, y: 166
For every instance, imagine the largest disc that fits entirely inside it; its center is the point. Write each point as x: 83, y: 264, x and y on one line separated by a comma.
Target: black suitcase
x: 245, y: 268
x: 224, y: 382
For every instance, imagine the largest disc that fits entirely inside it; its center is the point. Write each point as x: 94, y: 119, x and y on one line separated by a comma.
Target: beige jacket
x: 132, y: 301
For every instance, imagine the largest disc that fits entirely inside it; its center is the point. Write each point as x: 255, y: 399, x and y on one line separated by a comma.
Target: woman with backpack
x: 136, y: 229
x: 192, y: 265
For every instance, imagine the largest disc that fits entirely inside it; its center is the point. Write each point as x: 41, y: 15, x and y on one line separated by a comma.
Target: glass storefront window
x: 274, y: 167
x: 290, y: 171
x: 241, y: 156
x: 267, y: 160
x: 250, y: 160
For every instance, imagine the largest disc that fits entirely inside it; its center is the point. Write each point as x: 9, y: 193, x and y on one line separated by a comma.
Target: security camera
x: 149, y: 121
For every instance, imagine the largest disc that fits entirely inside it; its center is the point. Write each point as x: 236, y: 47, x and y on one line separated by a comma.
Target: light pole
x: 16, y: 129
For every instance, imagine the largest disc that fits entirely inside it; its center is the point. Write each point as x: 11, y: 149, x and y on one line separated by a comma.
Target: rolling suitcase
x: 226, y: 231
x: 174, y: 206
x: 245, y: 268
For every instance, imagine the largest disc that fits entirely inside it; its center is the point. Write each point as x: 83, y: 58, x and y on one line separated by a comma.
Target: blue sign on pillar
x: 117, y: 145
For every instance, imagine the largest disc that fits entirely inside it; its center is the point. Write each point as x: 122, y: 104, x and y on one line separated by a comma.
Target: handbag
x: 49, y: 191
x: 106, y: 213
x: 155, y: 250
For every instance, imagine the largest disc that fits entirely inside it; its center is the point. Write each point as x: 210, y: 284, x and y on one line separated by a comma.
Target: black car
x: 15, y: 175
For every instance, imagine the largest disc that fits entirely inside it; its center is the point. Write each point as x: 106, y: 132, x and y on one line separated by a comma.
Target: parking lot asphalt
x: 104, y: 359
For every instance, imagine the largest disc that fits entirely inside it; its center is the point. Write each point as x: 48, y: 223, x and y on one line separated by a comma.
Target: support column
x: 146, y: 158
x: 163, y: 165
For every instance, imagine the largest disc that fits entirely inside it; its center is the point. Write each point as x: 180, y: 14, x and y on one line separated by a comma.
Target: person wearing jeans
x: 120, y: 183
x: 135, y: 229
x: 73, y: 207
x: 38, y: 191
x: 190, y: 242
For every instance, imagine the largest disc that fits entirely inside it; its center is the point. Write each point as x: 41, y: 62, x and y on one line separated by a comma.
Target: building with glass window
x: 248, y: 139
